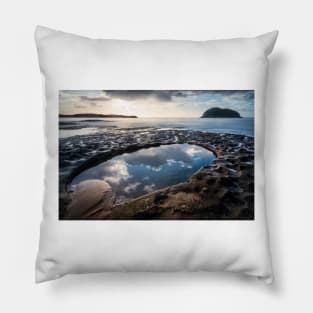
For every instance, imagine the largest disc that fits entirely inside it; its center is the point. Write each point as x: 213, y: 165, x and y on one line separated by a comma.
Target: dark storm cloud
x: 160, y: 95
x: 168, y: 95
x: 245, y: 94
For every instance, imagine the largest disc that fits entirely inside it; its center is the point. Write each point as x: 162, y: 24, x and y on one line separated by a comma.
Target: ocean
x: 82, y: 126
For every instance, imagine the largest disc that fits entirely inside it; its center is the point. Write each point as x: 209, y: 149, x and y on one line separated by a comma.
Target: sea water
x: 83, y: 126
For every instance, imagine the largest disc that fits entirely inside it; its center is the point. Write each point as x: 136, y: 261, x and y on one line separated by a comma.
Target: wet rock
x: 90, y: 198
x: 226, y: 184
x: 246, y: 213
x: 220, y: 209
x: 226, y: 181
x: 159, y: 198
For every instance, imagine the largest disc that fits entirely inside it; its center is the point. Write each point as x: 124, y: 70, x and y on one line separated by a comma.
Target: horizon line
x: 138, y: 116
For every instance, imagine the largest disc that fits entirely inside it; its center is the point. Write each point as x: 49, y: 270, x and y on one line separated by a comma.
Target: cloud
x: 132, y: 187
x: 115, y: 172
x: 172, y: 95
x: 160, y: 95
x: 80, y: 106
x: 155, y: 158
x: 149, y: 188
x: 82, y: 101
x: 201, y: 100
x: 155, y: 103
x: 100, y: 98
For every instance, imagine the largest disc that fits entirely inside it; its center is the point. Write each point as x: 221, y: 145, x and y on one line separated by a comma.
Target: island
x: 219, y: 112
x: 92, y: 115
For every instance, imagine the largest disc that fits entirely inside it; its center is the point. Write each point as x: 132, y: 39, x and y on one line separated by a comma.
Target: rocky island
x: 219, y: 112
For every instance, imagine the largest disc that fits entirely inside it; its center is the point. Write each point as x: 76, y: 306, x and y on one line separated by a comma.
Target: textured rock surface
x: 222, y: 190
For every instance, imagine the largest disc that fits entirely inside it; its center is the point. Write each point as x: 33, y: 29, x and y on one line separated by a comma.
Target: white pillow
x: 91, y: 222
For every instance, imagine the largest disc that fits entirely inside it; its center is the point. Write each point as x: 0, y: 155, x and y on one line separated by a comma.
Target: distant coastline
x: 97, y: 115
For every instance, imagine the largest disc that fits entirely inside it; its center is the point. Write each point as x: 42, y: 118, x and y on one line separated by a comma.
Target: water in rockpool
x: 134, y: 174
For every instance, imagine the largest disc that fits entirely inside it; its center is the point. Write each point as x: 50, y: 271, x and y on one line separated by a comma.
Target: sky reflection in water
x: 134, y: 174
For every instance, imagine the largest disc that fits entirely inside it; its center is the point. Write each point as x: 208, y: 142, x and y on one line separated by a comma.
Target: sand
x: 90, y: 198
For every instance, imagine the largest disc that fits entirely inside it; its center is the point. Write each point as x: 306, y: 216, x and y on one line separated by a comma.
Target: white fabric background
x: 288, y: 147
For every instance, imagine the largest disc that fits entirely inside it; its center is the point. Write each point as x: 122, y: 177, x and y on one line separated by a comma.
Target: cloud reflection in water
x: 134, y: 174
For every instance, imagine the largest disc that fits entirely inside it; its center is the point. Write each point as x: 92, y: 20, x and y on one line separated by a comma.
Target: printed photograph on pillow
x: 156, y: 154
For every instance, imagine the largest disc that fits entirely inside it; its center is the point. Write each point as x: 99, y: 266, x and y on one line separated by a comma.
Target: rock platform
x: 224, y: 189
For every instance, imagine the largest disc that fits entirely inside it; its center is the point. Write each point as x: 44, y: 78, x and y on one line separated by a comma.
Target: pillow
x: 155, y: 155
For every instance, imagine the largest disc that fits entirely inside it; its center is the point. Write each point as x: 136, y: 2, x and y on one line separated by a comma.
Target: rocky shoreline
x: 224, y: 189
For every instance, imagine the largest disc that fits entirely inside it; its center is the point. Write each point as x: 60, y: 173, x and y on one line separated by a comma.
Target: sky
x: 155, y: 103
